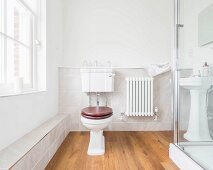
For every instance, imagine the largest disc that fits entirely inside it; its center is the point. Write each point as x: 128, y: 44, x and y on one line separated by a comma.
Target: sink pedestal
x: 198, y: 129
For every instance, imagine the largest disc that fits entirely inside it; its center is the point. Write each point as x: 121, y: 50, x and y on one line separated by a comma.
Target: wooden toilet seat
x: 101, y: 112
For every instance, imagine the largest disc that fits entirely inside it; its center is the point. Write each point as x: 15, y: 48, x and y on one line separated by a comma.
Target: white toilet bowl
x: 96, y: 124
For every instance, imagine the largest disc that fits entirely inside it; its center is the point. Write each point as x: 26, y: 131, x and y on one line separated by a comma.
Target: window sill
x: 22, y: 93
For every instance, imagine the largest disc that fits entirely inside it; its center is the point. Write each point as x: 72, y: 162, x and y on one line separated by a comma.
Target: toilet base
x: 97, y: 143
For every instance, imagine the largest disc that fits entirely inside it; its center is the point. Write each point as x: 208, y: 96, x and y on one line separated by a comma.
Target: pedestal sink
x: 198, y: 129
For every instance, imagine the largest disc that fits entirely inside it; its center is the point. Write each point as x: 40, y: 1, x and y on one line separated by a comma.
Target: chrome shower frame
x: 175, y: 73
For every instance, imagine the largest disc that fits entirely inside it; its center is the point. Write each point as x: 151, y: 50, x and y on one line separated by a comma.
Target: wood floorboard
x: 124, y: 151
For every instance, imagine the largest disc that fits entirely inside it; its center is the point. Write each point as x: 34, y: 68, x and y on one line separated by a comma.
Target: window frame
x: 6, y: 88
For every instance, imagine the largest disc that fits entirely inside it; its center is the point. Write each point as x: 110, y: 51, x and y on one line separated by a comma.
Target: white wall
x: 127, y: 32
x: 21, y: 114
x: 193, y: 56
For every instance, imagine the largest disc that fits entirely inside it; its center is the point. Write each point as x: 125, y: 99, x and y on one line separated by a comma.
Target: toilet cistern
x: 198, y: 129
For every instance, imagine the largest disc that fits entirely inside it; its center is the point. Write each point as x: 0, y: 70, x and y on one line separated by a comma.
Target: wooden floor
x: 124, y: 151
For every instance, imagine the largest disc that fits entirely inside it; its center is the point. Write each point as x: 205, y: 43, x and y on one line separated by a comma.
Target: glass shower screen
x: 194, y: 80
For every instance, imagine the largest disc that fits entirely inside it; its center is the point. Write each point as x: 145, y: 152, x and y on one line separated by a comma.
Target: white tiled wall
x: 72, y: 100
x: 41, y: 153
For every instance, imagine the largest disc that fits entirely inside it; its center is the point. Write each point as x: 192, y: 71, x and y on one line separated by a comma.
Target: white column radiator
x: 139, y: 99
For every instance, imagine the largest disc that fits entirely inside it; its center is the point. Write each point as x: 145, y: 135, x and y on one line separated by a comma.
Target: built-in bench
x: 35, y: 149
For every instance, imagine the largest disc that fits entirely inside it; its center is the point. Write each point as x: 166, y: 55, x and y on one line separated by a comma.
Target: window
x: 18, y: 48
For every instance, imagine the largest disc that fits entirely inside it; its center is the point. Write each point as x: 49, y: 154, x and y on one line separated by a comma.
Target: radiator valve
x: 155, y: 113
x: 123, y: 117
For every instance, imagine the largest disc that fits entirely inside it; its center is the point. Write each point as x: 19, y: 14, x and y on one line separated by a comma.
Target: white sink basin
x: 196, y: 82
x: 198, y: 129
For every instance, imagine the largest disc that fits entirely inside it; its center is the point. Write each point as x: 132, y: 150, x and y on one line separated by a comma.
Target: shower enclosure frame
x: 176, y: 152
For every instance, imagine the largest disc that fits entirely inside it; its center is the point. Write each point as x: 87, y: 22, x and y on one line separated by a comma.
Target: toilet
x: 96, y: 118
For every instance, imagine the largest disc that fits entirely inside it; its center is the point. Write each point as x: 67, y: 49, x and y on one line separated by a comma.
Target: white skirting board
x: 183, y: 161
